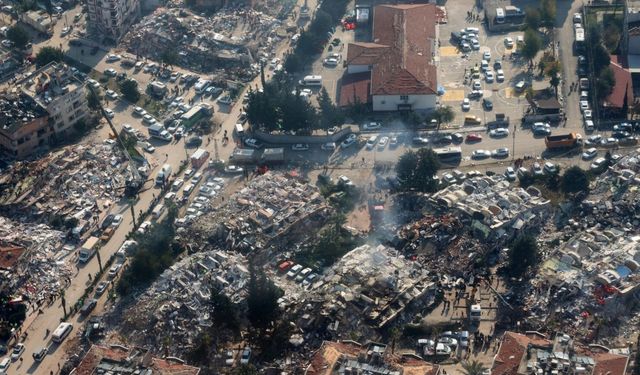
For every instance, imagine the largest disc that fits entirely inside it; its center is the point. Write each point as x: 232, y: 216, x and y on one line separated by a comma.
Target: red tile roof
x: 404, y: 40
x: 354, y: 86
x: 9, y: 256
x: 512, y: 350
x: 365, y: 53
x: 609, y: 364
x: 623, y: 90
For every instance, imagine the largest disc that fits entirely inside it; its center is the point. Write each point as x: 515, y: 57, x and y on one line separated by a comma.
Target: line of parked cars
x: 297, y: 272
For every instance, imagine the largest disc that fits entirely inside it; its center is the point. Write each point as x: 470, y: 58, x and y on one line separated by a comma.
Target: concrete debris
x: 177, y: 304
x: 77, y: 182
x: 270, y: 209
x: 35, y: 261
x: 230, y: 43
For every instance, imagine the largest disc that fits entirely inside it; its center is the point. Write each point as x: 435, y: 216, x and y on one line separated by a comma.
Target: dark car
x: 443, y: 140
x: 107, y: 221
x: 194, y: 141
x: 628, y: 141
x: 457, y: 137
x: 620, y: 134
x: 456, y: 36
x: 487, y: 104
x: 88, y: 306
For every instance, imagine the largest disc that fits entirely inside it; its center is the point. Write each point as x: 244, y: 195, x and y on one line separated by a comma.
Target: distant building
x: 38, y: 20
x: 397, y: 68
x: 119, y: 359
x: 533, y: 353
x: 41, y: 110
x: 111, y: 19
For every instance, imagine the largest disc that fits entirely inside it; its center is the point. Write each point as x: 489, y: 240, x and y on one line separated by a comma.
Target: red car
x: 474, y: 137
x: 284, y: 266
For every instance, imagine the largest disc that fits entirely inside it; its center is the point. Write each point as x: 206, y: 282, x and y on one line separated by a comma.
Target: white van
x: 239, y: 129
x: 311, y: 81
x: 201, y: 85
x: 158, y: 210
x: 499, y: 15
x: 476, y: 312
x: 61, y: 332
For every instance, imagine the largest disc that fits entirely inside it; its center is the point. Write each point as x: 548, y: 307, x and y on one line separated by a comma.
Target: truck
x: 155, y: 130
x: 501, y: 121
x: 88, y: 249
x: 199, y: 157
x: 163, y: 175
x: 243, y: 156
x: 554, y: 142
x: 273, y: 155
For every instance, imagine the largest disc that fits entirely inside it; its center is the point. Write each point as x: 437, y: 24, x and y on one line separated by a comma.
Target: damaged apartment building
x: 228, y: 43
x: 269, y: 210
x: 177, y: 304
x: 40, y: 110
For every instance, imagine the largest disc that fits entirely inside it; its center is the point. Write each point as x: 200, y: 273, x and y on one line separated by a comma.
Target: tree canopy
x: 605, y: 83
x: 532, y: 18
x: 129, y: 89
x: 415, y: 170
x: 474, y: 367
x: 330, y: 114
x: 48, y: 54
x: 574, y: 180
x: 19, y: 36
x: 262, y: 299
x: 548, y: 12
x: 93, y: 100
x: 523, y: 254
x: 532, y: 44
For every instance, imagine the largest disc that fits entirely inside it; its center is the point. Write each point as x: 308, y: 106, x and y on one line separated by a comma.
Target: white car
x: 589, y: 153
x: 300, y: 147
x: 127, y: 128
x: 480, y: 154
x: 550, y: 168
x: 508, y: 42
x: 510, y: 174
x: 93, y: 83
x: 111, y: 72
x: 499, y: 75
x: 17, y: 351
x: 588, y: 115
x: 598, y: 164
x: 475, y: 44
x: 537, y: 169
x: 109, y: 113
x: 117, y: 220
x: 584, y: 105
x: 488, y: 76
x: 477, y: 85
x: 330, y: 62
x: 139, y: 111
x: 372, y: 126
x: 349, y: 141
x: 449, y: 178
x: 113, y: 57
x: 382, y: 143
x: 500, y: 132
x: 111, y: 94
x: 593, y: 140
x: 329, y: 146
x: 148, y: 119
x: 142, y: 229
x: 502, y: 152
x: 466, y: 104
x: 371, y: 142
x: 486, y: 56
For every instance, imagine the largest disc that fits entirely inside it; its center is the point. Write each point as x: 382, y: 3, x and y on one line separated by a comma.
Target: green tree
x: 293, y: 63
x: 330, y: 115
x: 532, y: 18
x: 574, y: 180
x: 200, y: 353
x: 93, y: 100
x: 169, y: 57
x: 605, y: 83
x: 548, y: 12
x: 473, y: 368
x: 262, y: 299
x: 523, y: 254
x: 223, y: 312
x: 19, y: 36
x: 553, y: 70
x: 48, y: 54
x: 245, y: 370
x: 601, y: 58
x: 444, y: 115
x: 415, y: 170
x: 129, y: 89
x: 532, y: 45
x: 612, y: 38
x: 322, y: 23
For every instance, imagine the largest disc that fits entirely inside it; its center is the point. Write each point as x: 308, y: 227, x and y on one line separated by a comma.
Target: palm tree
x: 473, y: 368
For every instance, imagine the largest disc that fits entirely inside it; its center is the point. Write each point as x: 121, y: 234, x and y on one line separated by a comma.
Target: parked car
x: 500, y: 132
x: 17, y: 351
x: 372, y: 126
x: 480, y: 154
x: 502, y: 152
x: 300, y: 147
x: 590, y: 153
x: 510, y: 174
x: 350, y: 140
x: 474, y: 137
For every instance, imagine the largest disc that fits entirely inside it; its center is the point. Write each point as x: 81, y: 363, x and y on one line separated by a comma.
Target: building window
x: 404, y: 97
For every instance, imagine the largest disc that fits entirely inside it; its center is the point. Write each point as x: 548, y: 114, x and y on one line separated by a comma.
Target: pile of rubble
x: 78, y: 181
x: 177, y: 304
x: 271, y: 209
x: 593, y: 269
x: 369, y: 288
x: 228, y: 43
x: 35, y: 261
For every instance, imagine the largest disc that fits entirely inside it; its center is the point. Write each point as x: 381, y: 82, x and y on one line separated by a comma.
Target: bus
x: 61, y: 332
x: 449, y: 155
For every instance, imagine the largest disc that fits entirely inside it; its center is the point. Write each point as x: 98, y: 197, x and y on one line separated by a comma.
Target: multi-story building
x: 41, y: 110
x: 111, y: 19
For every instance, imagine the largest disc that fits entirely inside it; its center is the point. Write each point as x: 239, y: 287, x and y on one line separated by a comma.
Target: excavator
x: 135, y: 181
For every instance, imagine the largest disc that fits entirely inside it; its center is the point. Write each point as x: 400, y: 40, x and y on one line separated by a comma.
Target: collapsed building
x: 35, y: 260
x: 229, y: 43
x: 75, y: 182
x: 178, y: 303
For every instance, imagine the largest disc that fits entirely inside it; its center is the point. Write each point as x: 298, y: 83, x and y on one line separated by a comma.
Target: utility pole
x: 133, y: 215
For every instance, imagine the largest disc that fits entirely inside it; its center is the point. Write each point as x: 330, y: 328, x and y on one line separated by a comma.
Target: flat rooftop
x: 18, y: 109
x: 49, y: 82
